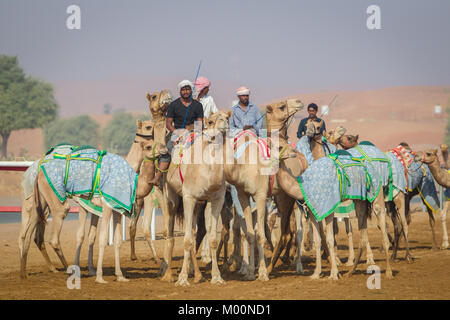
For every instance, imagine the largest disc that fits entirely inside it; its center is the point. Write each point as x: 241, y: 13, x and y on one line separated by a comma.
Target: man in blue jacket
x: 312, y: 112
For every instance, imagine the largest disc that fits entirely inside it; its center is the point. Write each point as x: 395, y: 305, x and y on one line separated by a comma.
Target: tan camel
x: 441, y: 176
x: 444, y: 152
x: 196, y: 174
x: 288, y: 181
x: 158, y: 105
x: 46, y: 198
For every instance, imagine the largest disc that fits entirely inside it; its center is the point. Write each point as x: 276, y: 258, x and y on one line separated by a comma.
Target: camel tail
x: 37, y: 202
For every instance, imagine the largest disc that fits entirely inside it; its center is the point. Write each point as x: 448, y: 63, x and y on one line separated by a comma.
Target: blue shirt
x: 302, y: 127
x: 249, y: 117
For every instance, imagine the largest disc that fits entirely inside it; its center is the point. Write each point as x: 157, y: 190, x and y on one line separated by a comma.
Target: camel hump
x: 367, y: 143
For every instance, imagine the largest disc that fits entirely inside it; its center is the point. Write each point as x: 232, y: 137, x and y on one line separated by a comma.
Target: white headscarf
x: 185, y: 83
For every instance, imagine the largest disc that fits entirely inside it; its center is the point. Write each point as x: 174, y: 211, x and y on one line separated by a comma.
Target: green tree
x: 25, y: 102
x: 118, y: 135
x: 79, y: 131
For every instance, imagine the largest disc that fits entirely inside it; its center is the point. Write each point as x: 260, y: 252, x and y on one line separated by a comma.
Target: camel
x: 190, y: 180
x: 444, y: 151
x: 289, y: 183
x: 430, y: 158
x: 158, y: 105
x: 45, y: 197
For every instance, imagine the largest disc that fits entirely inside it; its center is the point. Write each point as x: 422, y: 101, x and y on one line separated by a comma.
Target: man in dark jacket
x: 312, y: 112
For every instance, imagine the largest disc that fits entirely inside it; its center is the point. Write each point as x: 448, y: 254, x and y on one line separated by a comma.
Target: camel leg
x: 260, y: 200
x: 198, y: 210
x: 317, y: 244
x: 82, y: 214
x: 307, y: 234
x: 236, y: 257
x: 104, y: 227
x: 206, y: 248
x: 188, y: 204
x: 245, y: 249
x: 250, y: 234
x: 400, y: 205
x: 379, y: 209
x: 213, y: 212
x: 444, y: 225
x: 432, y: 226
x: 361, y: 213
x: 225, y: 237
x: 284, y: 206
x: 148, y: 216
x: 299, y: 236
x: 369, y: 255
x: 25, y: 239
x: 117, y: 225
x: 334, y: 273
x: 58, y: 216
x: 39, y: 240
x: 336, y: 232
x: 351, y: 250
x: 133, y: 227
x: 396, y: 223
x: 169, y: 224
x: 92, y: 235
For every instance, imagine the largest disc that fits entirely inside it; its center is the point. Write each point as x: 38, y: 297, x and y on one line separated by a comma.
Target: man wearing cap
x: 202, y: 92
x: 246, y: 115
x: 312, y: 114
x: 181, y: 114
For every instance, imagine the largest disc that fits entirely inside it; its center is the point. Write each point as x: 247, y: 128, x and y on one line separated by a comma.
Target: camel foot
x: 133, y: 257
x: 23, y: 276
x: 338, y: 261
x: 249, y: 277
x: 334, y: 276
x: 348, y: 275
x: 198, y: 278
x: 217, y: 280
x: 389, y: 274
x: 122, y: 279
x: 370, y: 261
x: 182, y: 281
x: 299, y: 268
x: 434, y: 248
x: 162, y: 269
x: 349, y: 263
x: 92, y: 272
x: 100, y: 280
x: 168, y: 277
x: 444, y: 245
x: 263, y: 277
x: 409, y: 259
x: 315, y: 276
x: 244, y: 269
x: 53, y: 269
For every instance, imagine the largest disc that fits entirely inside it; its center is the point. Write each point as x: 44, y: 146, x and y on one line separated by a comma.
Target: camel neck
x: 316, y: 149
x: 134, y: 156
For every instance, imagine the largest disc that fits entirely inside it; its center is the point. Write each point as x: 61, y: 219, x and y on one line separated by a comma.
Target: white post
x: 153, y: 224
x: 111, y: 232
x: 124, y: 223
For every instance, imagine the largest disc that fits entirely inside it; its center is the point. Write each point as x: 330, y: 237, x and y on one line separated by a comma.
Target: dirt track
x: 427, y: 278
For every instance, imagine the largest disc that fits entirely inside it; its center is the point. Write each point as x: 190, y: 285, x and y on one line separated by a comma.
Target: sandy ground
x: 427, y: 278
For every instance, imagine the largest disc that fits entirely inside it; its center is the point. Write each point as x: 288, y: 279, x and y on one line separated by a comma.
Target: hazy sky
x: 276, y: 48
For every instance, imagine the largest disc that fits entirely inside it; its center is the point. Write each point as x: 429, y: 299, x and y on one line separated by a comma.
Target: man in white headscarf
x: 181, y: 114
x: 246, y: 115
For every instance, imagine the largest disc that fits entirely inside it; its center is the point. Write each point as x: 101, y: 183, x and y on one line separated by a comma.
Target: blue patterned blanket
x: 304, y: 147
x: 93, y: 173
x: 31, y: 173
x: 330, y: 180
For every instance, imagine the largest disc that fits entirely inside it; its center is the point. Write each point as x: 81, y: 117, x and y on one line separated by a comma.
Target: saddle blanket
x: 330, y: 180
x: 87, y: 171
x: 30, y: 174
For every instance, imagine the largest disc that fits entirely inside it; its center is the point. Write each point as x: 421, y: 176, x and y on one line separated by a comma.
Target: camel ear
x: 435, y: 151
x: 357, y: 137
x: 269, y: 108
x: 139, y: 124
x: 147, y: 96
x: 230, y: 114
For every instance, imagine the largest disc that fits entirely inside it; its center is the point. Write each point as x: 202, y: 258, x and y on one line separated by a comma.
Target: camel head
x: 145, y: 130
x: 334, y: 136
x: 348, y: 141
x: 152, y: 149
x: 444, y: 148
x: 279, y: 113
x: 218, y: 120
x: 216, y: 124
x: 314, y: 128
x: 427, y: 156
x: 159, y: 103
x: 292, y: 159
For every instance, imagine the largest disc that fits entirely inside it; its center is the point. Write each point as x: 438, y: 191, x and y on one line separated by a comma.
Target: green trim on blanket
x: 367, y: 143
x: 311, y: 207
x: 89, y: 206
x: 51, y: 185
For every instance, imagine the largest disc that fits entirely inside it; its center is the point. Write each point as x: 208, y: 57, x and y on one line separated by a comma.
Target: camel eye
x: 154, y: 97
x: 282, y: 108
x: 210, y: 122
x: 148, y: 147
x: 148, y: 127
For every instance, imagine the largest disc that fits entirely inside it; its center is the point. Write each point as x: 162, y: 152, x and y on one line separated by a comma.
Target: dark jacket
x: 302, y: 127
